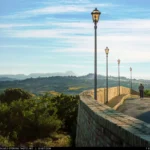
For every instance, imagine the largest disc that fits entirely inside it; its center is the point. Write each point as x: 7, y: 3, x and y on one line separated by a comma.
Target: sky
x: 47, y: 36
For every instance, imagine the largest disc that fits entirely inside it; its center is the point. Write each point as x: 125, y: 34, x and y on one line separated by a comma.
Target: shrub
x: 14, y: 94
x: 39, y: 143
x: 26, y: 118
x: 4, y: 142
x: 67, y: 109
x: 59, y: 140
x: 147, y: 92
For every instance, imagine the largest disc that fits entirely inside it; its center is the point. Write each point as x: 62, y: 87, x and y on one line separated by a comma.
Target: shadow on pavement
x: 144, y: 117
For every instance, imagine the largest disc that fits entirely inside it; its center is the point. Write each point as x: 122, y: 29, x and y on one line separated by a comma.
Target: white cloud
x: 128, y: 39
x: 53, y: 8
x: 33, y: 33
x: 128, y: 30
x: 15, y: 25
x: 122, y: 25
x: 21, y: 46
x: 65, y: 2
x: 27, y: 65
x: 108, y: 24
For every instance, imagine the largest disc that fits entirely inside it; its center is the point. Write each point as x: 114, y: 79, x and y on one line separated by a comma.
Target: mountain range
x: 10, y: 77
x: 66, y: 83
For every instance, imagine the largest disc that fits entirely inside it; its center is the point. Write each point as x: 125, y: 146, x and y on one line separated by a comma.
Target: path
x: 115, y: 101
x: 136, y: 108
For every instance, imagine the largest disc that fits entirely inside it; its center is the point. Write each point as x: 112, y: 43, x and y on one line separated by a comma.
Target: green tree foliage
x: 67, y: 112
x: 146, y: 92
x: 5, y: 142
x: 25, y: 118
x: 14, y: 94
x: 67, y: 109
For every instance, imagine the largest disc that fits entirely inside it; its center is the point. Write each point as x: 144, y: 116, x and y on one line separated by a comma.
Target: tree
x: 14, y: 94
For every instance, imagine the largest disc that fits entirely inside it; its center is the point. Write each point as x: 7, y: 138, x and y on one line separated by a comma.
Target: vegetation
x: 74, y: 88
x: 14, y: 94
x: 54, y: 93
x: 146, y: 92
x: 70, y: 85
x: 37, y: 121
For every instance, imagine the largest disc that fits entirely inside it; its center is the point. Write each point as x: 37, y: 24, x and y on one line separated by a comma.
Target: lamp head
x: 130, y: 69
x: 95, y: 15
x: 107, y: 50
x: 118, y: 61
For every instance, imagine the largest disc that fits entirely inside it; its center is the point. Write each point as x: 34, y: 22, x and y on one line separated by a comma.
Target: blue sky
x: 45, y: 36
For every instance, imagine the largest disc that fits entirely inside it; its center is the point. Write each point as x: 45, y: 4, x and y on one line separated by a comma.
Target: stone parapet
x: 101, y: 126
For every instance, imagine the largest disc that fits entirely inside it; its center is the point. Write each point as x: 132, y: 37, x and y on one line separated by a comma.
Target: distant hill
x: 9, y: 77
x: 6, y: 79
x: 68, y: 84
x: 13, y: 77
x: 36, y: 75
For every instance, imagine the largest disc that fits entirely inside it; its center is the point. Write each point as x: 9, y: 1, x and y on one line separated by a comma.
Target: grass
x: 74, y: 88
x: 54, y: 93
x: 5, y: 142
x: 55, y: 140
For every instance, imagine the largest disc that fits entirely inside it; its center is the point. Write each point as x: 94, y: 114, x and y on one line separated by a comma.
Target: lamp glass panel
x: 106, y: 50
x: 95, y: 15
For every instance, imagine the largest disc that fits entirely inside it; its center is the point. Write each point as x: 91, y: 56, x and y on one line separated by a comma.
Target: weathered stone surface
x: 99, y: 125
x: 101, y: 93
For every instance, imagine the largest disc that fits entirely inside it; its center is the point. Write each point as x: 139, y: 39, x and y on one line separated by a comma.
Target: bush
x: 39, y: 143
x: 4, y: 142
x: 24, y: 118
x: 14, y: 94
x: 67, y: 112
x: 67, y: 109
x: 146, y: 92
x: 59, y: 140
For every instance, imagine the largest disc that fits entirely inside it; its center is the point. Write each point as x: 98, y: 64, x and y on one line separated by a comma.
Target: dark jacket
x: 141, y: 87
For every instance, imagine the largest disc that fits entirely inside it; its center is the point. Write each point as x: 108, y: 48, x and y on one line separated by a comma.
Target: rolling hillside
x: 71, y: 85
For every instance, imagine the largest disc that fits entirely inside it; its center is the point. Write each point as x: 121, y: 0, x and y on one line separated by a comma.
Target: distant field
x: 2, y: 90
x: 74, y: 88
x: 54, y: 93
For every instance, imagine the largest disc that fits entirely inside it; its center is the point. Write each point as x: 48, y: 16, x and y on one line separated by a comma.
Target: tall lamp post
x: 95, y: 17
x: 106, y: 51
x: 131, y: 80
x: 119, y: 75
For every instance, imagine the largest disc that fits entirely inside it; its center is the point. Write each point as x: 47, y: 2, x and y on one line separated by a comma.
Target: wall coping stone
x: 129, y: 129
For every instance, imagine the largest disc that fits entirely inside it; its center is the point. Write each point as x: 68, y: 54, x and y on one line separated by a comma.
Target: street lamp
x: 106, y: 51
x: 95, y: 17
x: 131, y: 80
x: 119, y: 75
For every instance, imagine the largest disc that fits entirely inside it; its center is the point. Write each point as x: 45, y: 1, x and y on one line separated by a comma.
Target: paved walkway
x: 137, y: 108
x: 115, y: 101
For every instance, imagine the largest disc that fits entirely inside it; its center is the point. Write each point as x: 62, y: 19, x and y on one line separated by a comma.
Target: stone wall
x: 112, y: 92
x: 100, y: 126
